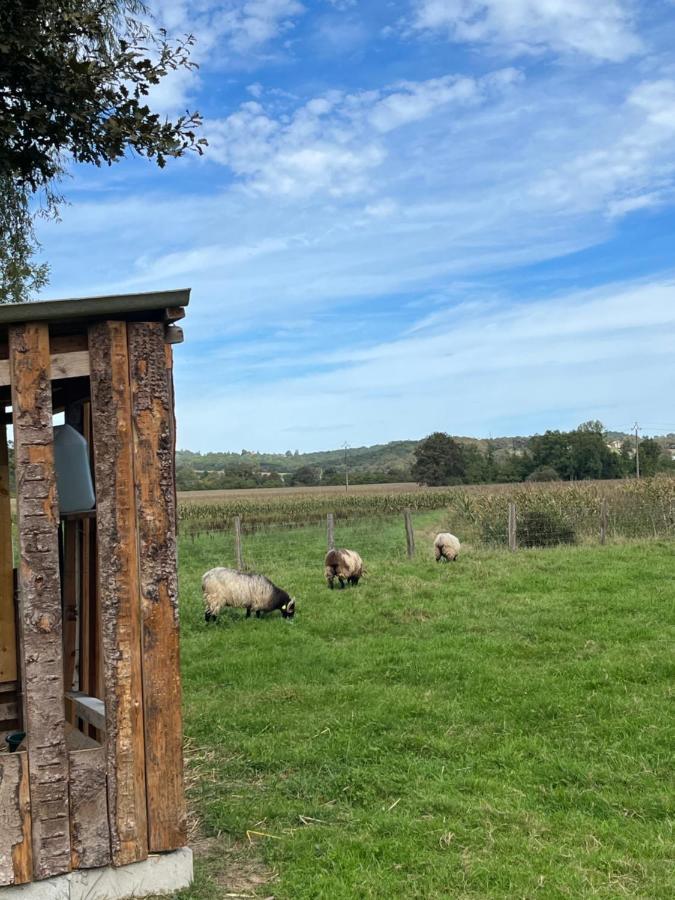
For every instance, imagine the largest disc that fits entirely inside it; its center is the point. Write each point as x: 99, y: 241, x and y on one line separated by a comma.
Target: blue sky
x: 413, y: 215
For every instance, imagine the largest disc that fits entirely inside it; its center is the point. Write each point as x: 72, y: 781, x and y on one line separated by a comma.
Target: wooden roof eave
x: 166, y: 306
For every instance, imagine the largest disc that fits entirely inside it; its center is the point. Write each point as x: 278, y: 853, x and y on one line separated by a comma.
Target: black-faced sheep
x: 242, y: 590
x: 446, y: 546
x: 345, y: 565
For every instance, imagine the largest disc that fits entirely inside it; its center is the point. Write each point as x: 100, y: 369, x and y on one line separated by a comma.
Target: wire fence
x: 496, y: 522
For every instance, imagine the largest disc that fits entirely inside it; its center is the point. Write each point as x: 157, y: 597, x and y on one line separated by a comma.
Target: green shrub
x: 543, y: 473
x: 544, y: 528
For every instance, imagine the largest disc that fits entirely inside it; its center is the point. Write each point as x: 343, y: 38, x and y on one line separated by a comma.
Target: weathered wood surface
x: 238, y: 552
x: 58, y: 343
x: 8, y: 708
x: 152, y: 410
x: 119, y: 591
x: 16, y: 865
x: 89, y: 829
x: 174, y: 334
x: 409, y: 533
x: 63, y: 365
x: 330, y: 531
x: 40, y: 620
x: 7, y: 623
x: 89, y: 709
x: 70, y: 601
x: 512, y: 528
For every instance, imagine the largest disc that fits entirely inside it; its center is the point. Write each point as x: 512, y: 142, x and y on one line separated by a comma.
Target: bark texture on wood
x: 409, y: 533
x: 7, y: 623
x: 16, y: 865
x: 89, y: 829
x: 118, y: 590
x: 152, y: 410
x: 330, y: 531
x: 40, y: 620
x: 70, y: 601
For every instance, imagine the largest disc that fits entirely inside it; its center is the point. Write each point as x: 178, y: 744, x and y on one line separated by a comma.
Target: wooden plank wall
x: 7, y: 623
x: 16, y: 865
x: 89, y: 831
x: 40, y: 621
x: 152, y: 412
x: 119, y: 593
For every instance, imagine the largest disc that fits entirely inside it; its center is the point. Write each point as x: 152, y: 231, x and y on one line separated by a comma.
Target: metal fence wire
x: 496, y: 521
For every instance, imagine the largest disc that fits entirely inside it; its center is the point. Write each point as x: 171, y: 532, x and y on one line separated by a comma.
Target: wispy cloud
x: 367, y: 228
x: 592, y: 353
x: 333, y: 141
x: 230, y: 30
x: 604, y: 31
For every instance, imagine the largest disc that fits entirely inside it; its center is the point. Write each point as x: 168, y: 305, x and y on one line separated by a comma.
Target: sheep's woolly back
x: 343, y: 564
x: 446, y: 545
x: 242, y: 590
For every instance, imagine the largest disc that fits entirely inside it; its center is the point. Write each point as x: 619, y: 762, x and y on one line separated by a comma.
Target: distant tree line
x: 576, y: 455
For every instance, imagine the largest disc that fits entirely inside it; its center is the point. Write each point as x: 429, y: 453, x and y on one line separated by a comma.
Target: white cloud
x: 234, y: 28
x: 603, y: 353
x: 254, y: 23
x: 333, y: 142
x: 602, y: 30
x: 631, y: 167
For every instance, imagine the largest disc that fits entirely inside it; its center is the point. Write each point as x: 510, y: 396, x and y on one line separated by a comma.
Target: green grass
x: 499, y: 727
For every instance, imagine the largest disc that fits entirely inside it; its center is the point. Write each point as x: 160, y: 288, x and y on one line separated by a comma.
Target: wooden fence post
x: 330, y: 531
x: 603, y: 522
x: 512, y: 527
x: 237, y: 542
x: 409, y: 535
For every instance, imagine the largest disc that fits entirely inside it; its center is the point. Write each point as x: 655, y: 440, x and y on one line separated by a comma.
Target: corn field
x: 546, y: 514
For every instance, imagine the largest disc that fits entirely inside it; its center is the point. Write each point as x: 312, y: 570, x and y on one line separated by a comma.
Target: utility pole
x: 636, y: 428
x: 346, y: 447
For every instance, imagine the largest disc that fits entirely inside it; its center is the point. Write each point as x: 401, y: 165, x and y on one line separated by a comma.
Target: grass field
x: 500, y: 727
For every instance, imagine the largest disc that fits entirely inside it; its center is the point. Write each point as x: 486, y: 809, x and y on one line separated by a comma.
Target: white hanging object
x: 73, y: 472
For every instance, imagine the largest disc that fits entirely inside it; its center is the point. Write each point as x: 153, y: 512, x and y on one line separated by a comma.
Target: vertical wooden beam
x: 7, y: 621
x: 152, y: 411
x: 513, y: 541
x: 70, y: 601
x: 603, y: 521
x: 118, y: 590
x: 40, y: 621
x: 238, y: 554
x: 409, y: 533
x: 16, y: 865
x: 330, y: 531
x: 89, y: 830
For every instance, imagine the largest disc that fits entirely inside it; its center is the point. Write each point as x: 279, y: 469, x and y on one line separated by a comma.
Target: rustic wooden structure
x: 89, y: 655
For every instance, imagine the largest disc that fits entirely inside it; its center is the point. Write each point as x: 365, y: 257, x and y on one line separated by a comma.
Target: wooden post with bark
x: 152, y: 414
x: 409, y: 533
x: 330, y: 531
x: 40, y: 623
x: 512, y: 527
x: 89, y: 657
x: 119, y: 590
x: 237, y: 544
x: 8, y: 670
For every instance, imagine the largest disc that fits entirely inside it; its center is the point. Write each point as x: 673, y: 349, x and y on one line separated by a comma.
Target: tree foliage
x: 18, y: 274
x: 439, y: 459
x: 75, y: 76
x: 650, y: 456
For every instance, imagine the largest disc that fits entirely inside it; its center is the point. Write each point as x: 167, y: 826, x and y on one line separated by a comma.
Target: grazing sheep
x: 446, y: 546
x: 345, y: 565
x: 241, y: 590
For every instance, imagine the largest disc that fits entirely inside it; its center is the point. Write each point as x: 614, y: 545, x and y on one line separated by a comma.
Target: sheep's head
x: 288, y: 609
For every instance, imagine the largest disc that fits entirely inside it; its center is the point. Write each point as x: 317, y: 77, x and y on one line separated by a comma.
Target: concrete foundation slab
x: 160, y: 874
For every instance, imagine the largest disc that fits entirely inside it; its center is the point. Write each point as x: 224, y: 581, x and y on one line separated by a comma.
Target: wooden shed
x: 89, y: 639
